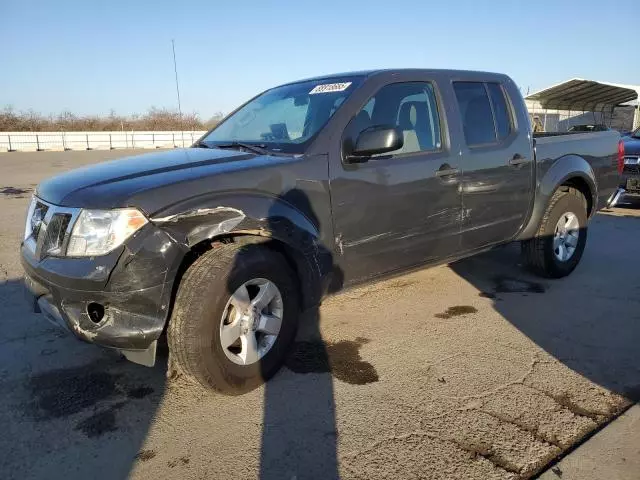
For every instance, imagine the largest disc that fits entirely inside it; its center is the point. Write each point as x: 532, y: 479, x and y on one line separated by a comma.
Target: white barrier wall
x: 40, y: 141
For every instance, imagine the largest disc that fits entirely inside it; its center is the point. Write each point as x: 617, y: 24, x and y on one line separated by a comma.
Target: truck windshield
x: 284, y: 119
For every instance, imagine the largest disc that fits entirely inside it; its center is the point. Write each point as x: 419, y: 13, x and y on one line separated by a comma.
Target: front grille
x: 54, y: 236
x: 49, y: 226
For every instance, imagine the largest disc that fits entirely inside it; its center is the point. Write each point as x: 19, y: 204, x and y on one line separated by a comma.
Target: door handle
x: 517, y: 160
x: 447, y: 172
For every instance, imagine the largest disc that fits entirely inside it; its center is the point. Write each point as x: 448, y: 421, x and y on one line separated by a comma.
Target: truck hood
x: 631, y: 146
x: 117, y: 183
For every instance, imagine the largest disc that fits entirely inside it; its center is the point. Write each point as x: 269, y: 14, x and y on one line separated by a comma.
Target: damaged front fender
x: 194, y: 226
x: 268, y: 217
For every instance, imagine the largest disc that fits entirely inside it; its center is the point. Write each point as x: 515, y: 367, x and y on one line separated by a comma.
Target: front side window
x: 411, y: 107
x: 286, y: 118
x: 475, y: 111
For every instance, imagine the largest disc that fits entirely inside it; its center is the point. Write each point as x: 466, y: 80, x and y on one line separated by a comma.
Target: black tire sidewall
x: 250, y: 262
x: 567, y: 203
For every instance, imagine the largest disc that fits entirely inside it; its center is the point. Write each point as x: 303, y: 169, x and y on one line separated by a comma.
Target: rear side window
x: 475, y: 110
x: 501, y: 110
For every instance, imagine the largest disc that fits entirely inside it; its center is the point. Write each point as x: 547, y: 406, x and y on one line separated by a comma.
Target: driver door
x: 403, y: 208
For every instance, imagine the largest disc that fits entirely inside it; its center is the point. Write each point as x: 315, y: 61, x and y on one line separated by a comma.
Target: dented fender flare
x: 270, y: 218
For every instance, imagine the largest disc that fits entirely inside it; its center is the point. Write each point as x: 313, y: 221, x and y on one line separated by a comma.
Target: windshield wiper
x: 201, y: 144
x: 259, y: 149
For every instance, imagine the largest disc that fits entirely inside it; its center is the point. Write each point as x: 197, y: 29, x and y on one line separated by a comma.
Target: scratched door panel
x: 497, y: 164
x: 393, y: 214
x: 393, y: 211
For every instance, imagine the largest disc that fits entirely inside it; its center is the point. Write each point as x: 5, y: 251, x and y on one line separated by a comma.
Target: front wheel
x: 557, y: 247
x: 234, y: 318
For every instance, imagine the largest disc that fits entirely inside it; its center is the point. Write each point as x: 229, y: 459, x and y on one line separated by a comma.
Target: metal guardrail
x: 42, y: 141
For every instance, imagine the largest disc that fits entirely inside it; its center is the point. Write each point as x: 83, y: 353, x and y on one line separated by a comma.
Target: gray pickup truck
x: 306, y: 189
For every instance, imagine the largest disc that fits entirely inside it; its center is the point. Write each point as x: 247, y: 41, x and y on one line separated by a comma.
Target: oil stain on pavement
x: 101, y: 422
x: 145, y: 455
x: 342, y: 359
x: 14, y: 192
x: 184, y: 460
x: 457, y: 311
x: 64, y: 392
x: 505, y: 284
x: 139, y: 392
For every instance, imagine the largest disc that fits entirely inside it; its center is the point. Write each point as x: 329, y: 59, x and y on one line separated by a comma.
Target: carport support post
x: 10, y: 149
x: 87, y: 137
x: 173, y: 139
x: 64, y: 145
x: 153, y: 139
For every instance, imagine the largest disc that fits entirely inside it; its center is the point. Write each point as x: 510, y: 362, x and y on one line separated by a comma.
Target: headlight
x: 97, y: 232
x: 28, y: 228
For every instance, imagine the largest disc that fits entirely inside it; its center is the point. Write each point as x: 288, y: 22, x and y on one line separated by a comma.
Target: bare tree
x: 154, y: 119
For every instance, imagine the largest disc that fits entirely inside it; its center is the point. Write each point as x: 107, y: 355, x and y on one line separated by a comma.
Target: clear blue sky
x: 93, y: 56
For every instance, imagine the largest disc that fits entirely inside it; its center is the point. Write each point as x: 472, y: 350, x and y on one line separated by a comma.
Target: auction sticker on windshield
x: 330, y: 87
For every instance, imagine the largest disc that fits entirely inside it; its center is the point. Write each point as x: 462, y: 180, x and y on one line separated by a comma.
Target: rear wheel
x: 234, y: 317
x: 557, y: 248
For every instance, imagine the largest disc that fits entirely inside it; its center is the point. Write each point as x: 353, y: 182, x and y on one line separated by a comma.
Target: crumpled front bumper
x: 132, y: 287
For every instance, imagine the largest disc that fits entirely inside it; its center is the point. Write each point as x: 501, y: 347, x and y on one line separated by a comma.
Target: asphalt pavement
x: 475, y: 370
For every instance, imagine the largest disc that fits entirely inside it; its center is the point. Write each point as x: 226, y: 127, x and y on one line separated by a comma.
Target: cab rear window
x: 485, y: 113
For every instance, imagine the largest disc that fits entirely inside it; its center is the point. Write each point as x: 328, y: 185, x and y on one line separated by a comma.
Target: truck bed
x: 596, y: 148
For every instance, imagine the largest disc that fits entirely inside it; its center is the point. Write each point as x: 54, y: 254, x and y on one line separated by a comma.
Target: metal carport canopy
x: 584, y: 95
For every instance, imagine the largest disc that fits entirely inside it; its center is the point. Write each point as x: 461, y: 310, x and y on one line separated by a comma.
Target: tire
x: 539, y: 252
x: 202, y: 302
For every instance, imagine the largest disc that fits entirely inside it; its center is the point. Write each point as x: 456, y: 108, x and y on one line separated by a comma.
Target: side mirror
x: 375, y: 140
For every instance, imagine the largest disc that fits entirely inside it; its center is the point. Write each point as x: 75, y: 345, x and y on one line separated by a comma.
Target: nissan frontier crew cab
x: 306, y: 189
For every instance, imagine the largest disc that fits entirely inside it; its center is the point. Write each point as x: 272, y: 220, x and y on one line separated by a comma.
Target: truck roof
x: 394, y: 71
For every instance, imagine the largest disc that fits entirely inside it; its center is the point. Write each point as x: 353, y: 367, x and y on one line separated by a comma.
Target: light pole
x: 175, y: 69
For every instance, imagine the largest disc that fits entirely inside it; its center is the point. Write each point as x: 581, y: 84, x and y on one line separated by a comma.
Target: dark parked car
x: 589, y: 128
x: 630, y: 179
x: 308, y: 188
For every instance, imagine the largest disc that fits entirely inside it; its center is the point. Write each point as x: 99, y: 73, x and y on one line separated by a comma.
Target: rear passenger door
x: 497, y: 165
x: 399, y: 209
